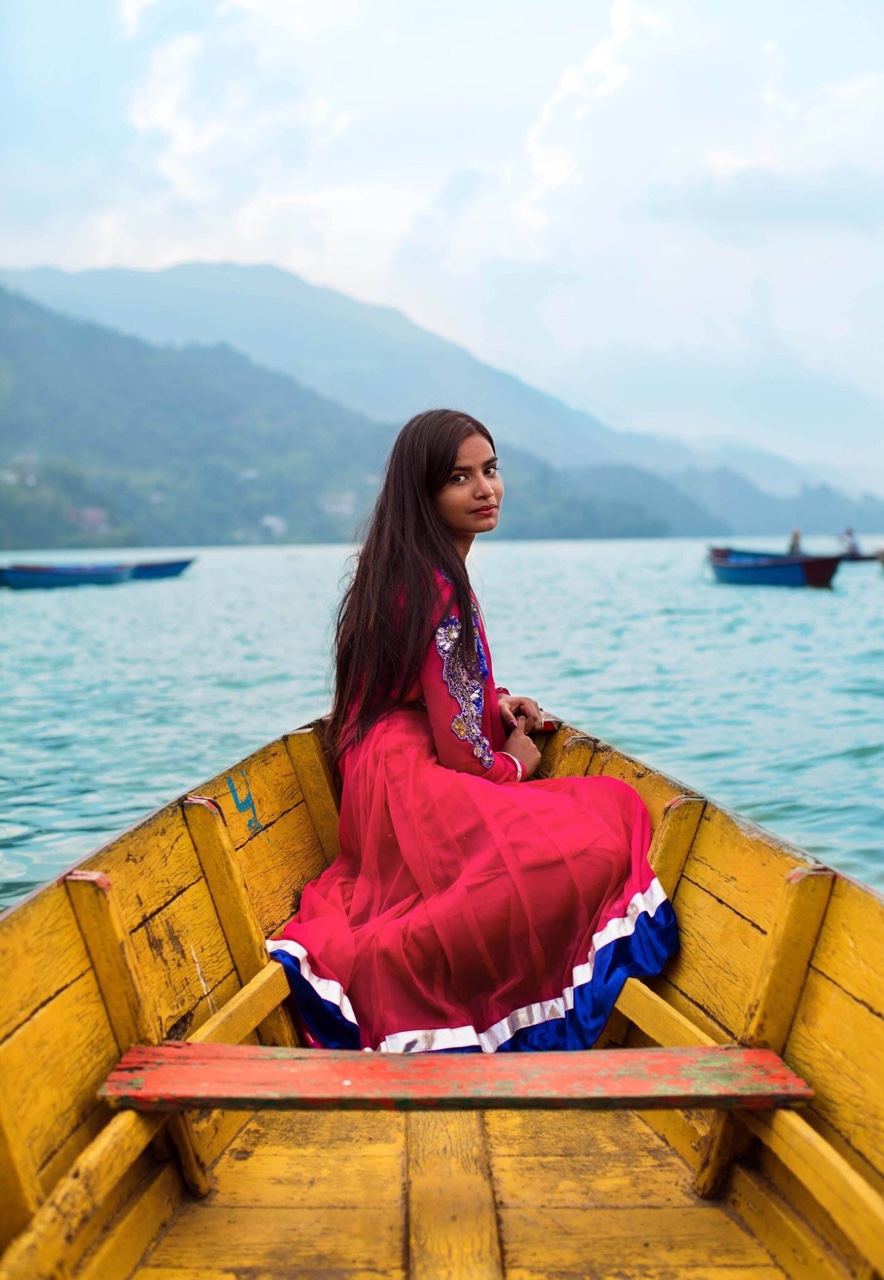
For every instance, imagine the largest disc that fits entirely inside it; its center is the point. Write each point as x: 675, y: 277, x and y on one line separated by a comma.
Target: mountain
x: 105, y: 438
x: 371, y: 359
x: 815, y: 509
x: 682, y: 513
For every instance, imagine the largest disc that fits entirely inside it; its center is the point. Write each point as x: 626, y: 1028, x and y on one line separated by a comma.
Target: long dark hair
x: 392, y: 605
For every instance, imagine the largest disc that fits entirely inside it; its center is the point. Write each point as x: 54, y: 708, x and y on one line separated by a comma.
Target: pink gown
x: 468, y: 910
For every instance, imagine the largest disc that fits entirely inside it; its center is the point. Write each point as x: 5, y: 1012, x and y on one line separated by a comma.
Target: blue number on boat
x: 246, y: 804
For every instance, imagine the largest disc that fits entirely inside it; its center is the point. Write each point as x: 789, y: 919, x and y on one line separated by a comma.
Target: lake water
x: 114, y: 700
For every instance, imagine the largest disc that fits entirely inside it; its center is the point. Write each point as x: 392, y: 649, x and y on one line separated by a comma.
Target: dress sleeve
x: 455, y: 702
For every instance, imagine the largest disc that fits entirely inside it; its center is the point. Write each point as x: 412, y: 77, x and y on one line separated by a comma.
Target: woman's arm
x: 455, y: 704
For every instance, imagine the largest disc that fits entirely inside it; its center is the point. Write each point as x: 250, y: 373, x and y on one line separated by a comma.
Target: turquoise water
x: 116, y: 699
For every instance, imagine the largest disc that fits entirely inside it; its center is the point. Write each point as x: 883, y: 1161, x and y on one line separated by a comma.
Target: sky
x: 669, y: 213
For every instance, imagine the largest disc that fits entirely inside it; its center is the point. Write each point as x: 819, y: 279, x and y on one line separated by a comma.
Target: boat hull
x: 46, y: 578
x: 159, y: 935
x: 748, y: 568
x: 161, y: 568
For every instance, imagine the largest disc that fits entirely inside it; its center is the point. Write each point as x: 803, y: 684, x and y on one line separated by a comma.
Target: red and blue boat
x: 771, y: 568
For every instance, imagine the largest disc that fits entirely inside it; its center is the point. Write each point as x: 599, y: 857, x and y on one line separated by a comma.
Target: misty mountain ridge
x: 371, y: 359
x: 107, y: 439
x: 213, y: 411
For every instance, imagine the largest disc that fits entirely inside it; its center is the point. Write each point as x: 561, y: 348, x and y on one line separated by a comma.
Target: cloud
x: 544, y: 183
x: 430, y: 237
x: 130, y: 13
x: 602, y: 72
x: 753, y: 201
x: 299, y: 18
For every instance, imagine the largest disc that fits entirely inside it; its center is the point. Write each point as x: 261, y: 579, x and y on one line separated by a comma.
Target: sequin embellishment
x: 468, y: 691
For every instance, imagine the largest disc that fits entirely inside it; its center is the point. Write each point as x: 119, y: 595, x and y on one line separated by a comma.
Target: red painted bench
x: 179, y: 1076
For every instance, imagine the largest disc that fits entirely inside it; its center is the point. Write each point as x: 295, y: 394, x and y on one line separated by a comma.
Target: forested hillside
x: 107, y: 439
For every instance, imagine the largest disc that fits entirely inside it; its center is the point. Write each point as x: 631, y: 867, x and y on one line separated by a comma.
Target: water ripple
x: 769, y: 701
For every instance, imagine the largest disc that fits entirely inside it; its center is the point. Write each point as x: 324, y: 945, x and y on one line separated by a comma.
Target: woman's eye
x: 458, y: 478
x: 491, y: 471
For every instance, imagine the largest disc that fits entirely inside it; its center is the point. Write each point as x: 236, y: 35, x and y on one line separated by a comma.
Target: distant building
x: 92, y: 519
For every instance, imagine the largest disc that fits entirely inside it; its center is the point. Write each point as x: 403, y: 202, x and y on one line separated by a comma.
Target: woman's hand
x: 511, y: 708
x: 518, y: 744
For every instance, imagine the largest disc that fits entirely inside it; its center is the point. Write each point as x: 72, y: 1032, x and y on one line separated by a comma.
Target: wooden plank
x: 298, y: 1242
x: 277, y: 864
x: 149, y: 864
x: 308, y: 1177
x: 848, y: 1199
x: 690, y: 1009
x: 255, y: 793
x: 649, y: 1270
x: 801, y: 905
x: 245, y: 941
x: 574, y: 756
x: 193, y: 1273
x: 134, y: 1230
x: 452, y: 1225
x: 742, y: 865
x: 54, y: 1064
x: 20, y: 1190
x: 571, y: 1134
x: 127, y: 1000
x: 720, y: 955
x: 658, y: 1019
x: 36, y: 1253
x: 339, y: 1133
x: 656, y: 789
x: 801, y: 1254
x: 578, y: 1182
x: 609, y: 1242
x: 178, y: 1076
x: 839, y: 1042
x: 245, y: 1010
x: 786, y: 1185
x: 553, y: 762
x: 23, y: 935
x: 311, y: 765
x: 850, y: 951
x: 183, y: 955
x: 673, y: 839
x: 298, y: 1272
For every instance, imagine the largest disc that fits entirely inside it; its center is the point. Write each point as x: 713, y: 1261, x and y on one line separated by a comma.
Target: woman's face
x: 469, y: 501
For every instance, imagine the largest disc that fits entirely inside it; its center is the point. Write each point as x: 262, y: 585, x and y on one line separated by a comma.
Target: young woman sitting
x: 471, y: 907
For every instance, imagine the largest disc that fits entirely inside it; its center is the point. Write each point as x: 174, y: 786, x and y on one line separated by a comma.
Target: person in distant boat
x: 794, y: 548
x: 850, y: 544
x: 473, y: 906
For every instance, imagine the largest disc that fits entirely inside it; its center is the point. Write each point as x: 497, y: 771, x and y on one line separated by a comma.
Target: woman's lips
x: 484, y: 511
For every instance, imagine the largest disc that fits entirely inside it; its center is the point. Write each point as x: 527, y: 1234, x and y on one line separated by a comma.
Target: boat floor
x: 592, y: 1194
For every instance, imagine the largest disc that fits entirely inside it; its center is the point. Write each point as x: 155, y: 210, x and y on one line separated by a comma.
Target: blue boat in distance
x: 161, y: 568
x: 28, y: 577
x: 771, y: 568
x: 36, y: 577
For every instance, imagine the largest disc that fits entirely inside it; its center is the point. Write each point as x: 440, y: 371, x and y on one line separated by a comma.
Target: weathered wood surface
x: 56, y: 1043
x: 452, y: 1223
x: 176, y: 1077
x: 802, y: 902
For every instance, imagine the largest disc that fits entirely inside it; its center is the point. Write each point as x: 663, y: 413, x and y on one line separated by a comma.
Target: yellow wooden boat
x: 159, y: 936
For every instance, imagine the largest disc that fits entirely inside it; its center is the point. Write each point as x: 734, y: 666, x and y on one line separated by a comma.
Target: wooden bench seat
x: 180, y: 1076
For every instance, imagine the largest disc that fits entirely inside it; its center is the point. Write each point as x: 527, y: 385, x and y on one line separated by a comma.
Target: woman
x: 470, y: 908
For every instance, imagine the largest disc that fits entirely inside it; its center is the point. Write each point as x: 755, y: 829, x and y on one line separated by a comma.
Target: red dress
x: 468, y: 910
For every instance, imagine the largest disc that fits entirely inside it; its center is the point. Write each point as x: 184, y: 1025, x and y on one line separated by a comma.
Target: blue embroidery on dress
x: 468, y: 691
